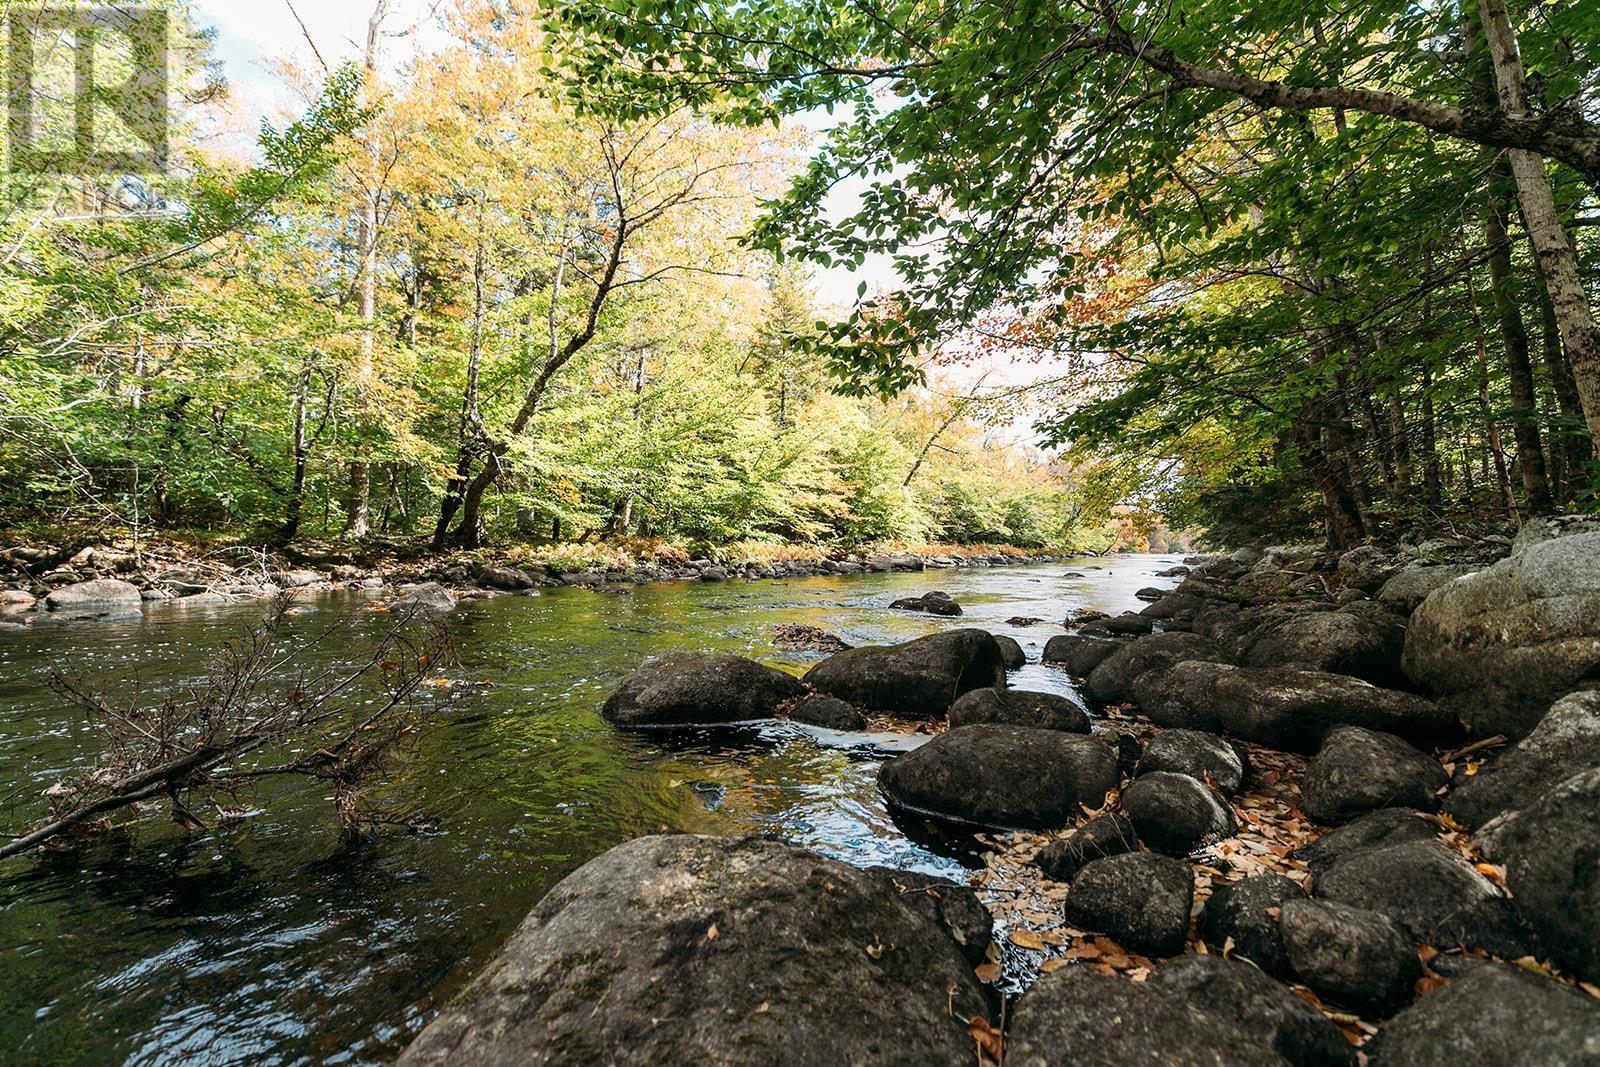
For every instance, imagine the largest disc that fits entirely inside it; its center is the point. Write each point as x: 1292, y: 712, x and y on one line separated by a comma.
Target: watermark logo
x: 86, y: 89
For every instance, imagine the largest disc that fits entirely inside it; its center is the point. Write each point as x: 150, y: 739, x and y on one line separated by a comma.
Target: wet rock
x: 1140, y: 900
x: 16, y: 601
x: 796, y: 637
x: 1081, y: 1017
x: 1245, y: 914
x: 508, y: 578
x: 1176, y: 814
x: 1375, y: 830
x: 1150, y: 593
x: 1104, y: 835
x: 1199, y: 755
x: 1011, y: 653
x: 1503, y: 643
x: 1291, y: 710
x: 1566, y: 742
x: 828, y: 712
x: 714, y: 574
x: 96, y: 597
x: 949, y: 905
x: 930, y: 603
x: 920, y: 678
x: 1019, y: 707
x: 1433, y: 894
x: 1010, y: 777
x: 428, y: 598
x: 1358, y: 770
x: 684, y: 689
x: 1410, y: 586
x: 684, y: 949
x: 1348, y: 955
x: 1242, y: 995
x: 1024, y: 620
x: 1128, y: 624
x: 1079, y: 655
x: 1364, y: 645
x: 1496, y: 1015
x: 1113, y: 681
x: 1551, y: 853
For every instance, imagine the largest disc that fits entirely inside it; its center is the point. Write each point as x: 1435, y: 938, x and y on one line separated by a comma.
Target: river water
x: 276, y: 940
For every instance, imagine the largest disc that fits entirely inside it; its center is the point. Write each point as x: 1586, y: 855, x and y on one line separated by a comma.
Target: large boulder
x: 1365, y: 645
x: 102, y: 597
x: 1503, y: 643
x: 1359, y: 770
x: 1110, y: 834
x: 1411, y: 585
x: 1566, y: 742
x: 1176, y: 814
x: 1139, y: 899
x: 1077, y: 654
x: 1433, y: 894
x: 1285, y: 709
x: 1081, y: 1017
x: 1007, y: 777
x: 1551, y: 853
x: 685, y: 949
x: 1114, y: 679
x: 1351, y: 956
x: 917, y: 679
x: 424, y: 599
x: 1019, y: 707
x: 1242, y: 918
x: 1495, y: 1015
x: 1375, y: 830
x: 1241, y: 994
x: 684, y: 689
x: 1199, y: 755
x: 953, y: 907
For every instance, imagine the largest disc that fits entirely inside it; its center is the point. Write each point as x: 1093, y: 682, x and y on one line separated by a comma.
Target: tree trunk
x: 1553, y: 251
x: 1432, y: 490
x: 1341, y: 516
x: 469, y: 426
x: 296, y: 504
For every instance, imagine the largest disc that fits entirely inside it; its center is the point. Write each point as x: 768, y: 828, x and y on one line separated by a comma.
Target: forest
x: 557, y: 281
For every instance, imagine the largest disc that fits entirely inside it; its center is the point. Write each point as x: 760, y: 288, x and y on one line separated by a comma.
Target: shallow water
x: 275, y: 941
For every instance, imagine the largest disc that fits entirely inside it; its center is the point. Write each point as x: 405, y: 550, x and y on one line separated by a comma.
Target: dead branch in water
x: 261, y: 713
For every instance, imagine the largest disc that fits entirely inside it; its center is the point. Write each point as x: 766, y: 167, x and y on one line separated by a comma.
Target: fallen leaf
x: 712, y: 933
x: 987, y: 972
x: 1025, y: 938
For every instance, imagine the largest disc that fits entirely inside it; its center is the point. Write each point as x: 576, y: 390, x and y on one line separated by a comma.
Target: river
x: 276, y: 941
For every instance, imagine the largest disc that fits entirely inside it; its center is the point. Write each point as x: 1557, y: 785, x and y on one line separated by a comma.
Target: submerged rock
x: 1176, y: 814
x: 797, y: 637
x: 684, y: 690
x: 1503, y: 643
x: 1087, y: 1019
x: 831, y: 713
x: 1495, y: 1014
x: 935, y: 603
x: 1245, y: 916
x: 1008, y: 777
x: 917, y: 679
x: 684, y: 949
x: 1019, y: 707
x: 1351, y: 956
x: 1138, y: 899
x: 1358, y: 770
x: 1242, y: 995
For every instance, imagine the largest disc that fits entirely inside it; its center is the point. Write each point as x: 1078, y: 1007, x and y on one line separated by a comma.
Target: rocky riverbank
x: 54, y: 584
x: 1325, y: 808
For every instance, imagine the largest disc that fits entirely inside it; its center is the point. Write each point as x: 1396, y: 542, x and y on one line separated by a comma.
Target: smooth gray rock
x: 427, y: 598
x: 685, y: 689
x: 1410, y: 586
x: 1242, y: 995
x: 1199, y: 755
x: 1005, y: 777
x: 1496, y: 1015
x: 684, y: 949
x: 1358, y: 770
x: 1176, y: 814
x: 1081, y: 1017
x: 1551, y: 852
x: 1246, y: 914
x: 1140, y: 900
x: 1351, y: 956
x: 1019, y: 707
x: 99, y: 596
x: 1505, y: 642
x: 1566, y: 742
x: 918, y: 679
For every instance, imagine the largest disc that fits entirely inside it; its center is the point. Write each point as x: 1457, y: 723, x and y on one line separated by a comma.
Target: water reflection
x: 280, y: 940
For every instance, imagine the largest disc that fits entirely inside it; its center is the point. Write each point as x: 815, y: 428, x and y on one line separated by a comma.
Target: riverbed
x: 276, y: 940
